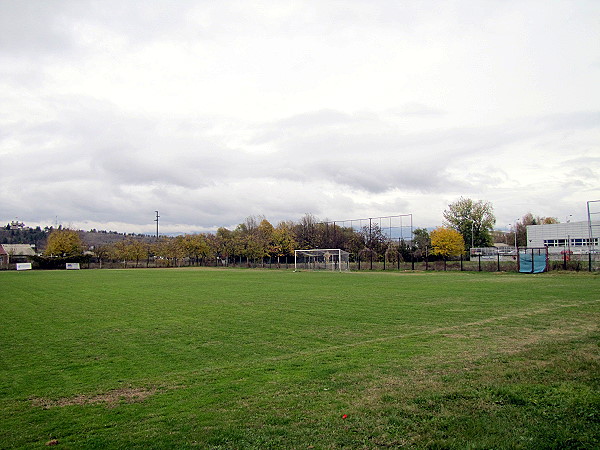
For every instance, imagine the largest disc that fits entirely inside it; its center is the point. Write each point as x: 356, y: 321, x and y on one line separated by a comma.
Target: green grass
x: 275, y: 359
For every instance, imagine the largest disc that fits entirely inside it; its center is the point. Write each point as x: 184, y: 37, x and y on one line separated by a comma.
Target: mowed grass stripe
x: 234, y: 308
x: 208, y: 317
x: 239, y: 358
x: 442, y: 330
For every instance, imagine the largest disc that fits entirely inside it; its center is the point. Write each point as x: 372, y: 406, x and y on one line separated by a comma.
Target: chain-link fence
x: 362, y: 261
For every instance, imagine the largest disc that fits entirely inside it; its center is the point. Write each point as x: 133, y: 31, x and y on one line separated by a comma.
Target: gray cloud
x: 34, y: 27
x: 107, y: 171
x: 333, y: 146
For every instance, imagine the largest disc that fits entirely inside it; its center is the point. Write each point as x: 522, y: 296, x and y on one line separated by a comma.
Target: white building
x: 560, y: 237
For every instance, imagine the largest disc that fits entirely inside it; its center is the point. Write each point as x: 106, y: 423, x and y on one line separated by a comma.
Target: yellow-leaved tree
x: 284, y: 240
x: 64, y: 242
x: 446, y: 242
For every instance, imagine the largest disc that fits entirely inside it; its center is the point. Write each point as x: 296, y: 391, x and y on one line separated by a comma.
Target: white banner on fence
x: 73, y: 266
x: 23, y: 266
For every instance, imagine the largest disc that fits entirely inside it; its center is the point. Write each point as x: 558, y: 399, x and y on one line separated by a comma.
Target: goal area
x: 336, y: 260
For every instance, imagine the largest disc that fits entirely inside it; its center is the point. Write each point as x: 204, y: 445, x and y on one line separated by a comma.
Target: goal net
x: 322, y: 259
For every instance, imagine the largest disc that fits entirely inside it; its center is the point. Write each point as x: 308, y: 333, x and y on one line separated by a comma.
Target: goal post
x: 333, y: 259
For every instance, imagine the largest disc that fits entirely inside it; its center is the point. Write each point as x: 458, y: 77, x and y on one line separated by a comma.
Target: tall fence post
x: 370, y: 244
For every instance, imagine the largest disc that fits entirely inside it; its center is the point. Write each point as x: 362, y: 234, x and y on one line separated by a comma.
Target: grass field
x: 275, y: 359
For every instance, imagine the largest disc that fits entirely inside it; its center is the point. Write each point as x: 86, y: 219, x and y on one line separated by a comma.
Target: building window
x: 578, y: 242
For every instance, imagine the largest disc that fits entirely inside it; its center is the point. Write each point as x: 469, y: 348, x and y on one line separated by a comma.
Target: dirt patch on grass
x: 110, y: 398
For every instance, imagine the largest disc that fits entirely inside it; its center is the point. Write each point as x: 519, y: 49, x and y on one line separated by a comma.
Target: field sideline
x: 234, y: 358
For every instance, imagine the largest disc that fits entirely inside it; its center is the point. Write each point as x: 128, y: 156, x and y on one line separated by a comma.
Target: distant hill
x: 33, y: 236
x: 38, y: 237
x: 95, y: 238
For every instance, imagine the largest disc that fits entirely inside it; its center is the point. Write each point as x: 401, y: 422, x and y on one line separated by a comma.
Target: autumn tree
x: 377, y: 240
x: 474, y: 220
x: 530, y: 219
x: 421, y: 241
x: 137, y: 250
x: 102, y: 252
x: 265, y: 236
x: 193, y: 246
x: 248, y: 238
x: 130, y: 250
x: 446, y: 242
x: 353, y: 241
x: 167, y: 249
x: 284, y: 239
x: 226, y: 243
x: 306, y: 231
x: 337, y: 236
x: 64, y: 242
x: 392, y: 252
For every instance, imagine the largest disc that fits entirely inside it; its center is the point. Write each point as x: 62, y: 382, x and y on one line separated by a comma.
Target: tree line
x: 252, y: 240
x: 467, y: 223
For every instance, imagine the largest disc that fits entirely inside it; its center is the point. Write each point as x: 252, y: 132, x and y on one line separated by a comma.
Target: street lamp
x: 516, y: 233
x: 472, y: 232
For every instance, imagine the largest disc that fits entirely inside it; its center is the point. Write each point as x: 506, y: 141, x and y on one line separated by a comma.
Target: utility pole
x: 156, y: 220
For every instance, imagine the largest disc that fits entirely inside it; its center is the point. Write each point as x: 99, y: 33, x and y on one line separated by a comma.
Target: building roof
x: 18, y: 249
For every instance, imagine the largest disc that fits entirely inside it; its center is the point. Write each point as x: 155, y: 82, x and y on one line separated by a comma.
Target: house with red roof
x: 15, y: 253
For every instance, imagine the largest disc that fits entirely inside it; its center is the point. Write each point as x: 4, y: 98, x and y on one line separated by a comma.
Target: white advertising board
x: 73, y: 266
x: 23, y: 266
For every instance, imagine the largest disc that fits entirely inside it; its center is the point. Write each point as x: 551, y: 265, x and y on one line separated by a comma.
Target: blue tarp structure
x: 532, y: 262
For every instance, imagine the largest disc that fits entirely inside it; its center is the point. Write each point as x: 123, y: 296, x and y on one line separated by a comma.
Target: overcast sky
x: 212, y: 111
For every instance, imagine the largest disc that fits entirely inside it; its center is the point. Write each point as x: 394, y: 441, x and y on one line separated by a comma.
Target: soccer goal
x: 322, y: 259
